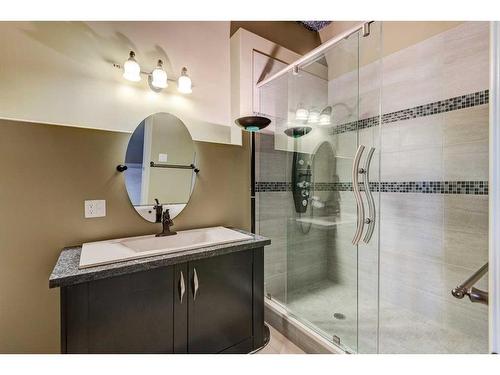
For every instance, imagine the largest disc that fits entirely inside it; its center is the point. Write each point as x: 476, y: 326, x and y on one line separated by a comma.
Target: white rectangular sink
x: 123, y: 249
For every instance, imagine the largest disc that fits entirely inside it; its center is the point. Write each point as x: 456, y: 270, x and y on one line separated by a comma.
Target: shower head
x: 297, y: 131
x: 252, y: 123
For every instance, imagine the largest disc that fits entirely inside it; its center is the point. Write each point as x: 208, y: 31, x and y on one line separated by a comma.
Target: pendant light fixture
x: 131, y: 69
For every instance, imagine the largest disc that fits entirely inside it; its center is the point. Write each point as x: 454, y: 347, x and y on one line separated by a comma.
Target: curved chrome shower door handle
x: 370, y: 220
x: 357, y: 196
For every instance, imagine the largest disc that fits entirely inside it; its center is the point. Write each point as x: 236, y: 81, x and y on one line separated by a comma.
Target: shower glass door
x: 322, y: 265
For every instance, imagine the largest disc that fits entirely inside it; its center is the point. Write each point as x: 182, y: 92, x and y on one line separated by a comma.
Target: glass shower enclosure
x: 338, y: 262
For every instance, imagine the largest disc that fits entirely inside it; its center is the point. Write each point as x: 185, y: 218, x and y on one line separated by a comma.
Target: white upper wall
x: 62, y: 73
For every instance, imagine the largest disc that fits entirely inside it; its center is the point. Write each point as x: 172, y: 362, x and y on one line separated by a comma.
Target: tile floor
x: 279, y: 344
x: 401, y: 330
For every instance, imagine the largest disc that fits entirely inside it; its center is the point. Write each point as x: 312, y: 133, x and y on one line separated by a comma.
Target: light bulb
x: 313, y: 117
x: 184, y: 83
x: 325, y: 118
x: 159, y: 76
x: 301, y: 114
x: 131, y: 69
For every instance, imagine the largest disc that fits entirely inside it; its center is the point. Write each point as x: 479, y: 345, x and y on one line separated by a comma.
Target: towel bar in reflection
x: 123, y: 168
x: 177, y: 166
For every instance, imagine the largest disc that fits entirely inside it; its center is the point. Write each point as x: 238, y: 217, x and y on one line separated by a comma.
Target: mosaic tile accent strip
x: 447, y: 105
x: 287, y: 186
x: 433, y: 187
x: 272, y: 186
x: 424, y: 187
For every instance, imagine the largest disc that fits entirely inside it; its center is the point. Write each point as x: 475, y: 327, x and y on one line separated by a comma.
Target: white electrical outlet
x: 95, y: 208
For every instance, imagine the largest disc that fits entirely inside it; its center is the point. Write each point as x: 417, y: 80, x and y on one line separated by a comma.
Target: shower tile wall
x: 433, y: 203
x: 429, y: 243
x: 294, y: 258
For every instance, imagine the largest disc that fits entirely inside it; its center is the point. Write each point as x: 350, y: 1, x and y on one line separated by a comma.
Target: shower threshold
x: 305, y: 337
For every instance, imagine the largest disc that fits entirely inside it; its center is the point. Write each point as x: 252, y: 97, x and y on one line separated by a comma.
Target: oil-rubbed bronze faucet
x: 167, y: 222
x: 158, y: 210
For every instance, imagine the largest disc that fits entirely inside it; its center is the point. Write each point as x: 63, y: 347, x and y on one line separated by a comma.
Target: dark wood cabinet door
x: 125, y: 314
x: 220, y: 302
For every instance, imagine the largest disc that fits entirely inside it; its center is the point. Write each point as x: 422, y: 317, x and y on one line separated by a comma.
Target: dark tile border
x: 447, y: 105
x: 273, y: 186
x: 424, y: 187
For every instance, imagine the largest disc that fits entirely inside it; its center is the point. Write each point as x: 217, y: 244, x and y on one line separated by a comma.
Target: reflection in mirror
x: 160, y: 159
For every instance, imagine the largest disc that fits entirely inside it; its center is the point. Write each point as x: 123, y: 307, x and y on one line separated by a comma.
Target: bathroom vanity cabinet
x: 213, y: 304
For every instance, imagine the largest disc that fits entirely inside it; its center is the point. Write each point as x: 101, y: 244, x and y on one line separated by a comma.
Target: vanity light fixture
x: 325, y: 118
x: 313, y: 117
x: 158, y: 78
x: 131, y: 69
x: 301, y: 114
x: 184, y: 82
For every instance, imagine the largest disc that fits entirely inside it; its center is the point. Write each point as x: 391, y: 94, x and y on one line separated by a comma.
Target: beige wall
x: 62, y: 73
x: 48, y: 173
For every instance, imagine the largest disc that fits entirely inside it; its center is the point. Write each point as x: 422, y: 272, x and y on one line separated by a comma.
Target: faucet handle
x: 166, y: 215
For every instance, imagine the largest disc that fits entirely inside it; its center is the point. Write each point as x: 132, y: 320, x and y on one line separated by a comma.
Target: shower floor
x: 401, y: 330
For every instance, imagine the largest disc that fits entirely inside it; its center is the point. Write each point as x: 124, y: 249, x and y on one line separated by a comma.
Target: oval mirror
x: 161, y: 170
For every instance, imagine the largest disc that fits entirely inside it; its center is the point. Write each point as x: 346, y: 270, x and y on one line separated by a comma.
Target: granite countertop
x: 66, y: 271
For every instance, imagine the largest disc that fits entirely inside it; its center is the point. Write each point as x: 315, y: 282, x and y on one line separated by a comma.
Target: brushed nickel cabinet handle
x: 357, y: 195
x: 369, y: 197
x: 195, y: 284
x: 182, y: 287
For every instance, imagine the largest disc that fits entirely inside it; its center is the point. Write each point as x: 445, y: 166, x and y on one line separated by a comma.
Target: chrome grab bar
x: 370, y: 220
x: 467, y: 287
x: 357, y: 195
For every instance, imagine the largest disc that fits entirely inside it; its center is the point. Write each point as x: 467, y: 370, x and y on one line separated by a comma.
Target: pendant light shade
x: 131, y: 69
x: 252, y: 123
